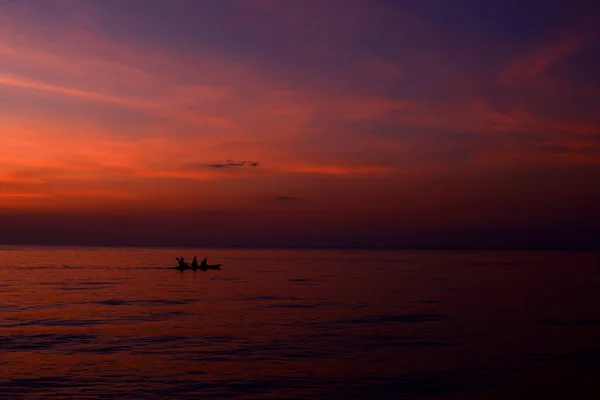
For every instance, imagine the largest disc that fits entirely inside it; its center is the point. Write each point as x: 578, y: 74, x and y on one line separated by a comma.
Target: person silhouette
x: 195, y: 263
x: 203, y: 263
x: 182, y: 263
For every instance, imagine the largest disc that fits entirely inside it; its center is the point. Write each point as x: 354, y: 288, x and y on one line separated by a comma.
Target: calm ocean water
x: 88, y: 323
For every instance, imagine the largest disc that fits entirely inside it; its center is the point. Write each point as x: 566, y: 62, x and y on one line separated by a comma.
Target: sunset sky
x: 469, y: 123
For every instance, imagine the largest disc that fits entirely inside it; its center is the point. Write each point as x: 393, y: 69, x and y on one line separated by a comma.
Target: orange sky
x: 297, y: 123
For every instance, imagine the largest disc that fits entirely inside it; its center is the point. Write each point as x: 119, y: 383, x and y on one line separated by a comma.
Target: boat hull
x: 213, y: 266
x: 205, y: 268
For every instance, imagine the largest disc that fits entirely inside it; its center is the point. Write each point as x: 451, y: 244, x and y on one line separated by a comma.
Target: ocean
x: 95, y: 323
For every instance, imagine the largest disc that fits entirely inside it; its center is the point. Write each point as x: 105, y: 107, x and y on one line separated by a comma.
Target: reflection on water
x: 117, y: 323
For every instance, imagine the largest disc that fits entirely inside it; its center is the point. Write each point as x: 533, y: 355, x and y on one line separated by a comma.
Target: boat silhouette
x: 203, y: 267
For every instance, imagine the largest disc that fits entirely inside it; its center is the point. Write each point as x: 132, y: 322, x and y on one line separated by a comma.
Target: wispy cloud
x: 232, y: 163
x: 287, y: 198
x: 540, y: 60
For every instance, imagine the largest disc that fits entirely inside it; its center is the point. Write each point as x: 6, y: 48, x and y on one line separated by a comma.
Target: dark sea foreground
x: 90, y: 323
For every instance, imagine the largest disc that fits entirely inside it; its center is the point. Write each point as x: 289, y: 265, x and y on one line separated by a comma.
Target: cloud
x: 543, y: 58
x: 540, y: 60
x: 287, y: 198
x: 232, y: 163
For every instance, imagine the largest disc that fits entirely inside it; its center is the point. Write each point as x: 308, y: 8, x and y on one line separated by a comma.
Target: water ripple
x: 571, y: 322
x: 22, y: 342
x: 394, y: 319
x: 152, y: 302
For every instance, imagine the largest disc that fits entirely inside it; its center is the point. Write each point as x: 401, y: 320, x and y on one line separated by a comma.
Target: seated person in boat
x: 203, y: 263
x: 195, y: 262
x: 182, y: 263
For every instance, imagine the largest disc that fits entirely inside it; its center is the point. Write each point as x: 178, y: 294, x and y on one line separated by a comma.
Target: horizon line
x: 313, y: 247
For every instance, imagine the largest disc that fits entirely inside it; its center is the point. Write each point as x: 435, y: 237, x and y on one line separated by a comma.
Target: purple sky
x: 300, y: 122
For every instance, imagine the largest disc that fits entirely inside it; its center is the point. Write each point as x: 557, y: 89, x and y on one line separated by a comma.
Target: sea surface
x: 92, y: 323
